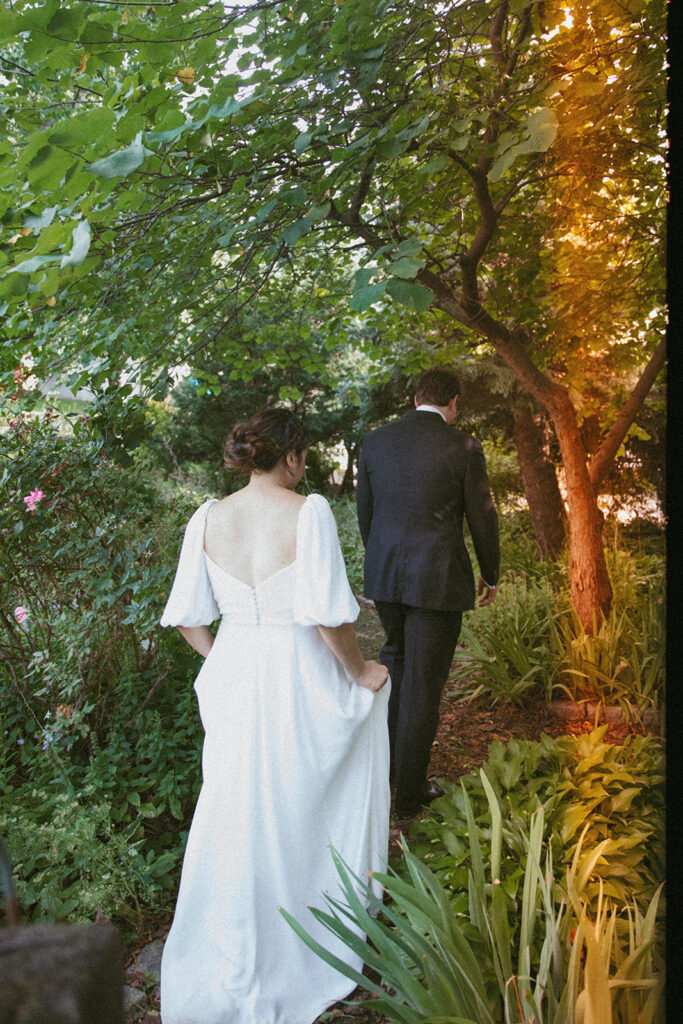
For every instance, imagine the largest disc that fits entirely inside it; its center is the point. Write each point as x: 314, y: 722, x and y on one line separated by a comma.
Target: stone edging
x: 585, y: 711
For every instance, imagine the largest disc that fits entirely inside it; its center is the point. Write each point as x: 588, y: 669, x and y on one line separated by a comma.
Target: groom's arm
x: 482, y: 518
x: 364, y: 498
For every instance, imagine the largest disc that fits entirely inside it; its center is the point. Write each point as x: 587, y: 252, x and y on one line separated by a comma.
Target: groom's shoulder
x: 384, y: 432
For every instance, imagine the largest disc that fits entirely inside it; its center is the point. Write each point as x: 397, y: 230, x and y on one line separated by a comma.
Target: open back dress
x: 295, y: 760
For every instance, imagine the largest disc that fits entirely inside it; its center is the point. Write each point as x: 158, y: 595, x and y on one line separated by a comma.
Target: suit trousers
x: 419, y: 651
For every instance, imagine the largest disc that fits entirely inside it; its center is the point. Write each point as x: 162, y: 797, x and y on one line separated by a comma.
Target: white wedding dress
x: 295, y: 759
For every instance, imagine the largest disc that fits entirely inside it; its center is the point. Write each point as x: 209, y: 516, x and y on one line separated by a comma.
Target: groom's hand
x: 488, y: 592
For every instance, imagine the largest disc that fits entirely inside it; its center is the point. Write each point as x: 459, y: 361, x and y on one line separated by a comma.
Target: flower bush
x: 97, y: 702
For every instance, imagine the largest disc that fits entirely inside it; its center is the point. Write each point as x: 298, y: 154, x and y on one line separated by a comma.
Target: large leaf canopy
x: 162, y: 162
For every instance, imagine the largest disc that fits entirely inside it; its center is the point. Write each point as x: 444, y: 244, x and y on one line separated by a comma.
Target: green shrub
x: 595, y: 795
x: 506, y: 647
x: 532, y: 637
x: 71, y: 860
x: 98, y: 718
x: 344, y: 510
x: 490, y: 957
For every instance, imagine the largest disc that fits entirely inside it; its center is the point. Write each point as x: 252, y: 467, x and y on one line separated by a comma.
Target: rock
x: 134, y: 1000
x: 567, y: 710
x: 570, y: 711
x: 65, y: 974
x: 148, y: 962
x: 148, y: 959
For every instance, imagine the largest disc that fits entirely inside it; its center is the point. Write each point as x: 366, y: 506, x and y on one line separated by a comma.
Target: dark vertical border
x: 674, y: 467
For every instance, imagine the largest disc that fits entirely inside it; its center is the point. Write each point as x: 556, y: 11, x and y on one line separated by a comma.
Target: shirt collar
x: 431, y: 408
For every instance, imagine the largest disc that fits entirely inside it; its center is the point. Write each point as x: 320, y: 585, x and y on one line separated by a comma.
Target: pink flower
x: 33, y: 498
x: 20, y: 613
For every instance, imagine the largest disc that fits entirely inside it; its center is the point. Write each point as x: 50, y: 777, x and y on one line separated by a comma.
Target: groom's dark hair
x: 436, y: 386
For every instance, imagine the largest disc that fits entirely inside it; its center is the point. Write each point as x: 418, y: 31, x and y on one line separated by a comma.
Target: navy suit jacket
x: 417, y: 479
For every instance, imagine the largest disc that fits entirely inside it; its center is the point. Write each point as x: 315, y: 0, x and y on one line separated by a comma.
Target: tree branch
x: 606, y: 454
x: 362, y: 190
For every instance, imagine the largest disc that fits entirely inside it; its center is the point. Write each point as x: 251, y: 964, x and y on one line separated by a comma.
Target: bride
x: 295, y: 756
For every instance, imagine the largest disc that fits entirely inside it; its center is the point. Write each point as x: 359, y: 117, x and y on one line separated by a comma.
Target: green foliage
x: 166, y: 167
x: 623, y: 659
x: 186, y: 218
x: 603, y: 804
x: 71, y: 860
x: 486, y: 955
x: 98, y: 715
x: 532, y: 637
x: 506, y: 647
x: 344, y: 510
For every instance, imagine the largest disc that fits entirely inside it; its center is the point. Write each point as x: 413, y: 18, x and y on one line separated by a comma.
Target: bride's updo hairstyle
x: 260, y: 443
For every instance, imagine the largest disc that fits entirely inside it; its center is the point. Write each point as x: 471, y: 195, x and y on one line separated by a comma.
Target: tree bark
x: 347, y: 484
x: 548, y: 514
x: 591, y: 590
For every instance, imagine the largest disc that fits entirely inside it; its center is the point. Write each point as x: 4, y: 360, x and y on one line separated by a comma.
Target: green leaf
x: 8, y: 25
x: 541, y: 127
x: 80, y: 244
x: 408, y: 293
x: 293, y: 232
x: 320, y: 212
x: 30, y: 266
x: 41, y: 220
x: 123, y: 163
x: 362, y: 277
x: 367, y: 296
x: 84, y: 128
x: 406, y: 267
x: 302, y: 142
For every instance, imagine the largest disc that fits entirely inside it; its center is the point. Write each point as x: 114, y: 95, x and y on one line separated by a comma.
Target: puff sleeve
x: 191, y: 601
x: 322, y: 594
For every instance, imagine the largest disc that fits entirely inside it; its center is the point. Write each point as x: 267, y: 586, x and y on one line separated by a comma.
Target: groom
x: 417, y: 477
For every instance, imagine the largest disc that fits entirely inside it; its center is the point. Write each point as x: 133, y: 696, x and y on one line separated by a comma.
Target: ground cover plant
x: 532, y: 638
x: 501, y: 910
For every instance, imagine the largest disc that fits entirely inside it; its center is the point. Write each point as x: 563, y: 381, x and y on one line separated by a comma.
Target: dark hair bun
x: 259, y: 443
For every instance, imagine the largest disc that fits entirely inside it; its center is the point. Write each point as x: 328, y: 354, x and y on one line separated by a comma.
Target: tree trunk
x: 591, y: 590
x: 347, y: 484
x: 548, y: 515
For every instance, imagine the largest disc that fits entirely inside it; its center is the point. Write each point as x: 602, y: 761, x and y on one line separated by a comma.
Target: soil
x: 466, y: 730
